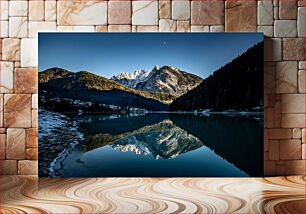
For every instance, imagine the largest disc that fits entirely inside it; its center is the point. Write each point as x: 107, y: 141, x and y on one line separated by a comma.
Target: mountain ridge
x: 165, y: 79
x: 131, y: 79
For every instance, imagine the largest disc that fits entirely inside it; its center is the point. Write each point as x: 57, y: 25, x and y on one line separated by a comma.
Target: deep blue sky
x: 107, y: 54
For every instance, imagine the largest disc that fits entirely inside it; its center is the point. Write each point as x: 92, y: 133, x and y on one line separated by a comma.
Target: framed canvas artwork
x: 150, y: 104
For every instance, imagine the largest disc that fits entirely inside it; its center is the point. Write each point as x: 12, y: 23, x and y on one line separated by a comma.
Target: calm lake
x: 157, y: 145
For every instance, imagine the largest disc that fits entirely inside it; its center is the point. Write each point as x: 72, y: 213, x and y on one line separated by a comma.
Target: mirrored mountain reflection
x: 162, y: 145
x: 161, y: 140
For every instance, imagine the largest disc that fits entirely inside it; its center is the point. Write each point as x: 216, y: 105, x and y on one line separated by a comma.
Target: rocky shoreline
x: 54, y: 139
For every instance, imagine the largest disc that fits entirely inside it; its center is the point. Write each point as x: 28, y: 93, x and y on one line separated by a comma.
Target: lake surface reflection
x: 164, y: 145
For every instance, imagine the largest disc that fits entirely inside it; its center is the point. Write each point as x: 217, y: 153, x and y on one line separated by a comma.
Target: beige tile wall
x: 282, y: 21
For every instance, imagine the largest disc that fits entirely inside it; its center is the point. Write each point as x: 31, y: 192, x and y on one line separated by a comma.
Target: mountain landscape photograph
x: 150, y: 104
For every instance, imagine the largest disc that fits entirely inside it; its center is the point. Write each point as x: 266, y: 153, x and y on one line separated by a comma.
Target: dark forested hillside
x: 237, y: 85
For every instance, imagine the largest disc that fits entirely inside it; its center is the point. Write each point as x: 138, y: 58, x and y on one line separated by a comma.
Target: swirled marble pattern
x: 26, y: 194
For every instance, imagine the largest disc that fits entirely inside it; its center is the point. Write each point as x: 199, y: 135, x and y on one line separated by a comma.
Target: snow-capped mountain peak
x: 131, y: 79
x: 138, y: 74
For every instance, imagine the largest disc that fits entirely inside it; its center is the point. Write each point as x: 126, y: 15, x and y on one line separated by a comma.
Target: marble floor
x: 153, y: 195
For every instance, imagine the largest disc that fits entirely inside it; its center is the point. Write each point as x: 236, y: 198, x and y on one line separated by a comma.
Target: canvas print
x: 150, y: 104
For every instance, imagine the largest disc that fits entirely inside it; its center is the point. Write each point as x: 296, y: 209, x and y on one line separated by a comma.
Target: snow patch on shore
x: 57, y: 136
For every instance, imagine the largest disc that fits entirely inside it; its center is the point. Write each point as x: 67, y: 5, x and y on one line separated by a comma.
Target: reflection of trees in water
x: 237, y: 139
